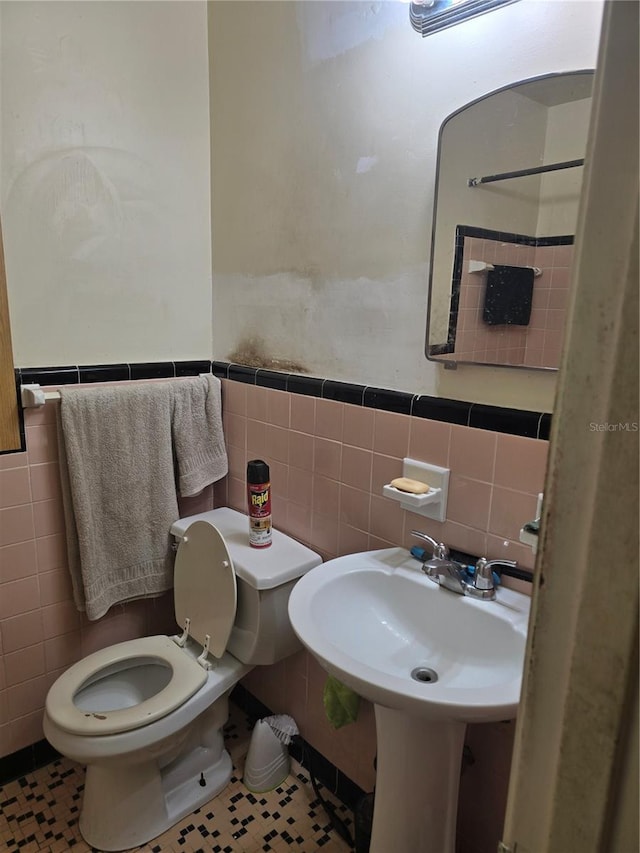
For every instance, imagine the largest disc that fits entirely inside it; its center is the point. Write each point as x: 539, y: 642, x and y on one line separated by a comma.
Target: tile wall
x: 540, y: 343
x: 328, y: 463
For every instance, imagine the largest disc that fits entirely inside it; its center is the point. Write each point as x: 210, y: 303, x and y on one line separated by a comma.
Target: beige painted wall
x: 324, y: 131
x: 566, y: 139
x: 105, y: 181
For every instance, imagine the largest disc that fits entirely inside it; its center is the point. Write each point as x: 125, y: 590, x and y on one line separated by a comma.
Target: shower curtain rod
x: 522, y: 173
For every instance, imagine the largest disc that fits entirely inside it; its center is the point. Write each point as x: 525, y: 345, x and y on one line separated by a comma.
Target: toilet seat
x: 204, y: 587
x: 205, y: 594
x: 186, y: 678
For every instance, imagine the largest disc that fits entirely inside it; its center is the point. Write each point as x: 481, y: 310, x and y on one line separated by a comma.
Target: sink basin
x: 372, y: 619
x: 431, y: 661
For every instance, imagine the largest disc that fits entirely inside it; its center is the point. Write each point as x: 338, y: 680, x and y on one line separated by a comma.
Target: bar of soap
x: 413, y: 487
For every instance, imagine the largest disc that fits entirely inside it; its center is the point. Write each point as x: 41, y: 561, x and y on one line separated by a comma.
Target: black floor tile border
x: 495, y: 418
x: 325, y: 772
x: 26, y: 760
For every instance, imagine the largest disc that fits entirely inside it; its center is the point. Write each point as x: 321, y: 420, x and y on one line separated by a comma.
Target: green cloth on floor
x: 340, y: 703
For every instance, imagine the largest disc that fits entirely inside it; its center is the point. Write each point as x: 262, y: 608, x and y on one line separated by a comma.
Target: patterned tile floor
x: 40, y: 811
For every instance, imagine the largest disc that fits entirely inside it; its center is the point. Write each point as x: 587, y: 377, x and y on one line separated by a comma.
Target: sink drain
x: 424, y: 674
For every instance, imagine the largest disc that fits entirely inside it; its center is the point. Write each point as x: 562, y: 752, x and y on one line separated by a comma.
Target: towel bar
x: 33, y: 397
x: 481, y: 266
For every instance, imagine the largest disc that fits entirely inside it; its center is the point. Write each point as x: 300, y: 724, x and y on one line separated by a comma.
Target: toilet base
x: 124, y: 810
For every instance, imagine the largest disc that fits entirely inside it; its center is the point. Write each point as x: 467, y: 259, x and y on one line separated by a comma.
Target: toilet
x: 146, y: 715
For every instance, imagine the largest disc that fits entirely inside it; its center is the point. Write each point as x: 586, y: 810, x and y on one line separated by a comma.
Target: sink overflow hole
x: 424, y: 674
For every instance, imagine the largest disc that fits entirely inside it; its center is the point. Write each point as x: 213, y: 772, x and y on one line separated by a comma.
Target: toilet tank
x: 262, y: 632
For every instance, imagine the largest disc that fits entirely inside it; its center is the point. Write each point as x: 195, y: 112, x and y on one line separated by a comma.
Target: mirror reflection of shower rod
x: 522, y: 173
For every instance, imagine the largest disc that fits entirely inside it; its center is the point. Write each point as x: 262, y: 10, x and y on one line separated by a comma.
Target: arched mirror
x: 509, y: 178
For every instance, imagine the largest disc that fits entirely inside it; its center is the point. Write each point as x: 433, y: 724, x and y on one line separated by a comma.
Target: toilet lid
x: 204, y: 586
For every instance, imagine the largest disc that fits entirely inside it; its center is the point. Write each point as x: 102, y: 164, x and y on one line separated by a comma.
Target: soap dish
x: 431, y: 504
x: 409, y: 500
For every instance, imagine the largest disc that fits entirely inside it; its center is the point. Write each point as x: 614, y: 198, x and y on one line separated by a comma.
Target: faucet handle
x: 484, y: 571
x: 439, y: 549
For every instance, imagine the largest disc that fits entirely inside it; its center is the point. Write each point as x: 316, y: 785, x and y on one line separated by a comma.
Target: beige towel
x: 117, y: 447
x: 198, y: 440
x: 119, y: 493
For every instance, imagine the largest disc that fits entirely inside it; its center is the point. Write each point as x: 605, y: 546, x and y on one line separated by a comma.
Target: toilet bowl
x: 146, y: 715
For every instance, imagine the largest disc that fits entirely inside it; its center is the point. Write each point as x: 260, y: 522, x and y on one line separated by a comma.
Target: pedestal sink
x: 431, y: 661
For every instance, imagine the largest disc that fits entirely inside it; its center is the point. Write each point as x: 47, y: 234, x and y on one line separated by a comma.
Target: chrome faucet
x: 444, y: 571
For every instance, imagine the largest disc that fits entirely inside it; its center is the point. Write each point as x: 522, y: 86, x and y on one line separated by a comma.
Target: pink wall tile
x: 237, y: 457
x: 324, y: 533
x: 16, y: 524
x: 18, y: 561
x: 59, y: 618
x: 13, y: 460
x: 62, y: 651
x: 520, y: 463
x: 277, y: 443
x: 354, y: 507
x: 327, y: 457
x: 301, y: 450
x: 117, y: 628
x: 300, y: 487
x: 279, y: 474
x: 14, y: 487
x: 48, y: 517
x: 329, y: 419
x: 351, y: 540
x: 303, y: 413
x: 326, y: 495
x: 45, y: 481
x: 384, y: 470
x: 469, y: 502
x: 42, y: 414
x: 55, y: 586
x: 278, y: 408
x: 19, y: 596
x: 24, y: 664
x: 257, y: 402
x: 27, y: 697
x: 234, y: 397
x: 26, y: 730
x: 358, y: 426
x: 356, y: 467
x: 509, y: 511
x: 472, y: 452
x: 21, y: 631
x: 429, y: 441
x: 391, y: 434
x: 387, y: 519
x: 256, y: 439
x: 42, y: 443
x: 51, y: 552
x: 235, y: 430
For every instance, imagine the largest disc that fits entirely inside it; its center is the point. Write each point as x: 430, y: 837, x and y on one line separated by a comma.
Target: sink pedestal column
x: 417, y: 783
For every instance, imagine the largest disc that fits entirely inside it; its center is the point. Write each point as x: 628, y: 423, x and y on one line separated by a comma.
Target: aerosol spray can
x: 259, y: 500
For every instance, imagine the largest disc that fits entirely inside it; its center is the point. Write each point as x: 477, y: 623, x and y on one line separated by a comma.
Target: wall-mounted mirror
x: 508, y: 185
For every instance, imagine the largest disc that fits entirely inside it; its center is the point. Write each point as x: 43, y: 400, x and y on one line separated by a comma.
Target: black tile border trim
x: 26, y: 760
x: 478, y: 415
x: 325, y: 772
